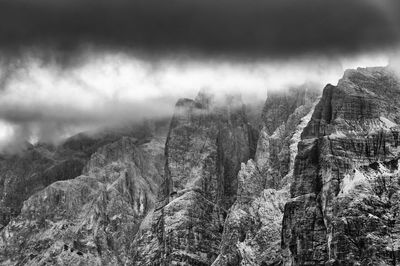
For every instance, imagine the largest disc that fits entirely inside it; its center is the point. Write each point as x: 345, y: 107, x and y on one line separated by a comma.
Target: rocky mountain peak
x: 353, y: 131
x: 281, y: 104
x: 206, y: 144
x: 317, y: 183
x: 205, y: 98
x: 93, y: 218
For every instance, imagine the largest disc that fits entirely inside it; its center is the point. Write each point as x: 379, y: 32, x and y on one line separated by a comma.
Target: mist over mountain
x: 218, y: 184
x: 42, y: 101
x: 204, y: 133
x: 68, y: 66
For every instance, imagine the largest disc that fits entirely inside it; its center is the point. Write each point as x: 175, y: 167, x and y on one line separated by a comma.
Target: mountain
x: 252, y: 229
x: 206, y: 144
x: 81, y: 201
x: 30, y: 171
x: 310, y: 180
x: 345, y: 191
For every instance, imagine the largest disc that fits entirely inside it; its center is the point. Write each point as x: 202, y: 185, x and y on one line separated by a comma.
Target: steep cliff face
x: 29, y: 172
x: 344, y: 196
x: 319, y: 184
x: 91, y: 219
x: 252, y: 230
x: 284, y: 116
x: 36, y: 167
x: 205, y: 146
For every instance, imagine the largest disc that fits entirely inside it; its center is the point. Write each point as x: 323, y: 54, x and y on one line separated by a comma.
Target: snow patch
x: 337, y: 135
x: 296, y: 138
x: 349, y: 182
x: 387, y: 123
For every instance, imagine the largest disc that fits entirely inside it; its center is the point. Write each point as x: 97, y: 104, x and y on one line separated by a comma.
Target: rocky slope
x: 33, y: 200
x: 91, y: 219
x: 211, y: 207
x: 317, y: 184
x: 252, y: 230
x: 27, y: 172
x: 206, y: 144
x: 345, y: 191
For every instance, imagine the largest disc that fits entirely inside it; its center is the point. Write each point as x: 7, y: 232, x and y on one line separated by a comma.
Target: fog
x: 41, y: 100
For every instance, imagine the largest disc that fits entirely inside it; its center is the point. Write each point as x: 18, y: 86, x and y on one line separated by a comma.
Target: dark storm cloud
x: 38, y: 38
x: 248, y: 28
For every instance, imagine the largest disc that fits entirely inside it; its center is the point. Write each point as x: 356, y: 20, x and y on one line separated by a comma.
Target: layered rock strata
x: 91, y: 219
x: 206, y: 145
x: 34, y: 168
x: 344, y: 195
x: 252, y: 230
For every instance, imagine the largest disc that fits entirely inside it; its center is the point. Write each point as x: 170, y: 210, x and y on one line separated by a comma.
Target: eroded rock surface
x: 37, y: 166
x: 317, y: 184
x: 252, y: 230
x: 29, y: 172
x: 344, y: 194
x: 206, y: 144
x: 91, y: 219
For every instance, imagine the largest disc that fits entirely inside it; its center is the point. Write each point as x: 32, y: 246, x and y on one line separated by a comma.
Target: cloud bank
x: 44, y: 102
x: 224, y: 28
x: 72, y: 65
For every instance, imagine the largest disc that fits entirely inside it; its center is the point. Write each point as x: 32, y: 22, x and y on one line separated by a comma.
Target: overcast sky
x: 69, y: 65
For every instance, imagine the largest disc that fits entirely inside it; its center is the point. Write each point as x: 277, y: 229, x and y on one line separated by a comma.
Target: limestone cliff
x: 206, y: 144
x: 252, y: 230
x: 344, y: 196
x: 317, y: 184
x: 91, y: 219
x: 31, y: 170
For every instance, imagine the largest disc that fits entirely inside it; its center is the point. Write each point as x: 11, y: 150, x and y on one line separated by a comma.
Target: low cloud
x: 73, y: 65
x: 236, y: 29
x: 42, y: 101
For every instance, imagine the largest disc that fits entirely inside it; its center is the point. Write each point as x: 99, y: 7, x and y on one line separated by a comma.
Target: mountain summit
x: 313, y: 180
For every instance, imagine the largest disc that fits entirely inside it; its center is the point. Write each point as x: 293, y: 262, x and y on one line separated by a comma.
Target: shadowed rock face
x: 25, y: 173
x: 345, y: 185
x: 252, y: 230
x: 284, y: 117
x: 318, y: 185
x: 205, y: 146
x: 91, y: 219
x: 280, y: 105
